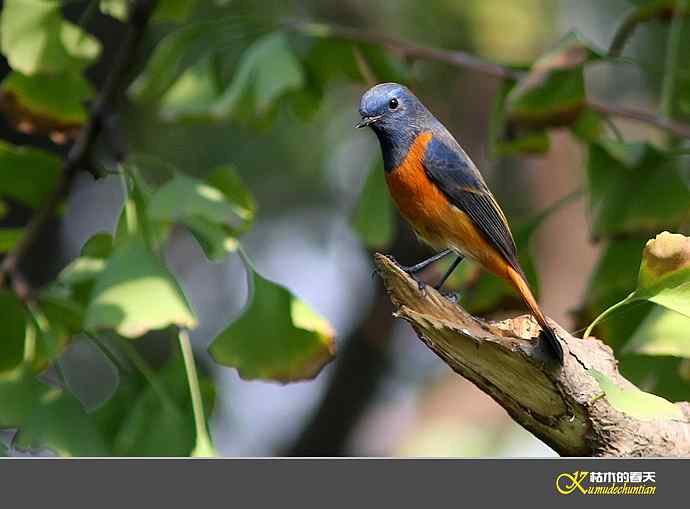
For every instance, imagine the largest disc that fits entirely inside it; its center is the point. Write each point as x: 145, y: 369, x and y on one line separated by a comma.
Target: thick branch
x: 79, y: 155
x: 468, y: 61
x: 563, y: 407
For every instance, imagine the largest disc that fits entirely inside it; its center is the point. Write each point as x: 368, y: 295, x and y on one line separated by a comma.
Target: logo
x: 606, y: 483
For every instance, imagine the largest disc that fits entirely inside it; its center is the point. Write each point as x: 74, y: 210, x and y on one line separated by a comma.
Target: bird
x: 441, y: 194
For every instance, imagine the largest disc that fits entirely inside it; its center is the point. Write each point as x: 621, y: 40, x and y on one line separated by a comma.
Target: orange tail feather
x: 520, y: 285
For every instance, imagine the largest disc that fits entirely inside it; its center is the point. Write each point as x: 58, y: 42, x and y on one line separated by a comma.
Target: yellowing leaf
x: 278, y: 337
x: 49, y: 104
x: 664, y: 276
x: 665, y: 256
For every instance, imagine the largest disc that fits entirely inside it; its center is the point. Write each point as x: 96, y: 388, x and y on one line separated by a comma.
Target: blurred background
x: 385, y: 393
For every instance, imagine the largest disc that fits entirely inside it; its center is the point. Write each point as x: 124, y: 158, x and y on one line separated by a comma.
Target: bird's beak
x: 366, y: 121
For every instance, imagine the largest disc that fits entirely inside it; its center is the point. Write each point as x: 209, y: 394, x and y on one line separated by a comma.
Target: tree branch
x: 563, y: 407
x: 455, y: 58
x: 79, y: 155
x: 467, y: 61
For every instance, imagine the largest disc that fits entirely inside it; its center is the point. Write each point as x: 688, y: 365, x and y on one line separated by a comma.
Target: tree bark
x: 564, y: 407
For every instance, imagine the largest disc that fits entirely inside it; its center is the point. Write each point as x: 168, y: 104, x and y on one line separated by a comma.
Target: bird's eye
x: 393, y: 103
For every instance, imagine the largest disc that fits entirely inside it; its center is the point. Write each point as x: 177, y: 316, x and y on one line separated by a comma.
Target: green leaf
x: 508, y: 138
x: 193, y: 93
x: 636, y: 403
x: 267, y: 71
x: 185, y: 196
x: 228, y: 181
x: 91, y: 262
x: 19, y: 393
x: 278, y: 337
x: 118, y: 9
x: 47, y: 417
x: 27, y: 174
x: 9, y: 237
x: 82, y: 270
x: 173, y: 10
x: 88, y: 373
x: 13, y: 331
x: 665, y: 376
x: 331, y: 59
x: 373, y: 217
x: 664, y: 276
x: 610, y: 281
x: 36, y: 39
x: 51, y: 334
x: 59, y: 423
x: 179, y: 51
x: 136, y: 293
x: 618, y: 172
x: 50, y: 104
x: 99, y: 245
x: 158, y: 420
x: 215, y: 211
x: 63, y: 312
x: 553, y: 92
x: 663, y: 332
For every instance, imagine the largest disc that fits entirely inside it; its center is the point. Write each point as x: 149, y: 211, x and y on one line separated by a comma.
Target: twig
x: 645, y: 117
x: 79, y: 155
x: 625, y: 31
x: 204, y: 445
x: 465, y: 60
x: 456, y: 58
x: 668, y: 86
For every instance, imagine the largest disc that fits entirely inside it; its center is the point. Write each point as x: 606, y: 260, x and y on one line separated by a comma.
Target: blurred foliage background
x: 234, y: 200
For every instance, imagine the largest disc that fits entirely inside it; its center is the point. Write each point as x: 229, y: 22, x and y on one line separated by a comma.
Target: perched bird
x: 440, y: 192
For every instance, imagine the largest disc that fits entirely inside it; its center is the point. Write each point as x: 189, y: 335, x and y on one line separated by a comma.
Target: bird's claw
x: 450, y: 295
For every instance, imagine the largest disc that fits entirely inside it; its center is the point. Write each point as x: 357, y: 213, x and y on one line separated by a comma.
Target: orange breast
x: 434, y: 219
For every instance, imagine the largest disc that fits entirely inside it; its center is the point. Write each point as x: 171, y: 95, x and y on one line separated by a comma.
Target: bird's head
x: 388, y: 107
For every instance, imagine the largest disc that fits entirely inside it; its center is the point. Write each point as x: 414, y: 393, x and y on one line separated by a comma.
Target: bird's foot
x: 410, y: 271
x: 421, y: 285
x: 407, y: 269
x: 452, y: 296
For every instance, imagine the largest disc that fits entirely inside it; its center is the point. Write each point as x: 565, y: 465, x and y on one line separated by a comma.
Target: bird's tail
x: 519, y: 283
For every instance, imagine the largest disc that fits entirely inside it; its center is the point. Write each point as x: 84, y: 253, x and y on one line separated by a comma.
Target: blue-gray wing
x: 460, y: 182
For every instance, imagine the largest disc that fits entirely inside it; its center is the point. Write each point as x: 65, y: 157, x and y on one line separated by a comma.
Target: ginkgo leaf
x: 268, y: 69
x: 136, y: 293
x: 662, y: 332
x: 27, y: 174
x: 636, y: 403
x: 374, y: 219
x: 48, y: 104
x: 36, y: 39
x: 278, y: 337
x: 664, y: 276
x: 216, y: 210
